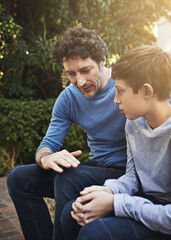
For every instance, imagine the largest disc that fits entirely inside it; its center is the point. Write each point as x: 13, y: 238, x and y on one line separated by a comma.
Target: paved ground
x: 9, y: 224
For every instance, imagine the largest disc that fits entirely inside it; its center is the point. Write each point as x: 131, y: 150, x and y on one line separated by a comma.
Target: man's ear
x: 103, y: 62
x: 148, y: 91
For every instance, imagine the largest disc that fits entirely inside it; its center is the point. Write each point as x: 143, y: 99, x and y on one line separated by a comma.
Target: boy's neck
x: 160, y: 111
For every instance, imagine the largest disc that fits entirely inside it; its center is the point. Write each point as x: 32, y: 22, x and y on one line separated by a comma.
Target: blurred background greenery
x: 29, y: 80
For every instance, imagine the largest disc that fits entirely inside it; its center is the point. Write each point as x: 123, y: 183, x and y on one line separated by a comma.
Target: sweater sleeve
x: 59, y: 124
x: 154, y: 216
x: 129, y: 182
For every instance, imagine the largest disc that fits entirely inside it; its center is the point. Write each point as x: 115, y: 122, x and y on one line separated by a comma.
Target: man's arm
x: 48, y: 155
x: 48, y: 160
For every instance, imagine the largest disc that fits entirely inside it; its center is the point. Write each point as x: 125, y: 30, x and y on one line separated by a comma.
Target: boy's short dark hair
x: 79, y: 42
x: 147, y: 64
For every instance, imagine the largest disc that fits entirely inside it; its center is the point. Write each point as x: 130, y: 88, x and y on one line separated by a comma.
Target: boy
x: 138, y: 204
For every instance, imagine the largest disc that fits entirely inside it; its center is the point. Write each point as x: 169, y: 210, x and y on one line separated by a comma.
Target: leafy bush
x: 26, y: 38
x: 22, y: 126
x: 76, y: 139
x: 27, y: 70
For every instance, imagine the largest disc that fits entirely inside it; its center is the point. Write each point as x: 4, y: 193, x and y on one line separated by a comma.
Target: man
x: 57, y: 175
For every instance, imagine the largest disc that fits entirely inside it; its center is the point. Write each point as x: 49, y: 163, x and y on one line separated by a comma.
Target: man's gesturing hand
x: 62, y: 158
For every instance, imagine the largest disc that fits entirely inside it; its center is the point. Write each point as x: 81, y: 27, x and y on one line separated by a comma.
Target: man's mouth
x: 122, y: 111
x: 86, y: 89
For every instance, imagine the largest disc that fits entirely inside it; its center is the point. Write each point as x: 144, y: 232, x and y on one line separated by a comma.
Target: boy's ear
x: 148, y: 91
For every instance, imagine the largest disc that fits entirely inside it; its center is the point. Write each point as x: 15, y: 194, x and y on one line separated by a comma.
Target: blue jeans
x: 27, y: 185
x: 108, y: 228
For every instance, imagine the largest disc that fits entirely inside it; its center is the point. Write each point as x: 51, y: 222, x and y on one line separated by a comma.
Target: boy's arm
x: 97, y: 201
x: 129, y: 182
x: 154, y: 216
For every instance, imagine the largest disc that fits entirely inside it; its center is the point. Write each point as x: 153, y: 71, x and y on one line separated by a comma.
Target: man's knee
x: 67, y: 177
x: 15, y: 178
x: 19, y: 177
x: 69, y: 183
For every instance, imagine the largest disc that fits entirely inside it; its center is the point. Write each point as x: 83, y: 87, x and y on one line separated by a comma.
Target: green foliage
x: 5, y: 166
x: 10, y: 74
x: 26, y: 38
x: 76, y: 139
x: 123, y: 24
x: 23, y: 124
x: 23, y: 61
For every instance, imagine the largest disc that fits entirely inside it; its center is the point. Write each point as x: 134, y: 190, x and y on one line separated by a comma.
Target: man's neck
x: 107, y: 74
x: 159, y: 113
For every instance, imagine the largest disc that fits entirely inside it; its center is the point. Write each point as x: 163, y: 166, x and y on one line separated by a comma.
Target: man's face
x: 131, y: 104
x: 84, y: 74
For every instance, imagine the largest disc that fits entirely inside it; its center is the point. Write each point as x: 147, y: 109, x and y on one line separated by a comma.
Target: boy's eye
x: 118, y: 90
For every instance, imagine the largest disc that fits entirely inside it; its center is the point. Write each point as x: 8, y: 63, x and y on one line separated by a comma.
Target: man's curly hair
x: 79, y: 42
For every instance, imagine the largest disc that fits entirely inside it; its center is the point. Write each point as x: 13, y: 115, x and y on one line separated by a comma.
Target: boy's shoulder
x: 136, y: 124
x: 140, y: 125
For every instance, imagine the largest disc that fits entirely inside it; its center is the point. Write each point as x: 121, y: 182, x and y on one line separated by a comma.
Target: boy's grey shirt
x: 148, y: 170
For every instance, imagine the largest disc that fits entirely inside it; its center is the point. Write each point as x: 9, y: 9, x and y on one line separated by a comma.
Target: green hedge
x: 22, y: 126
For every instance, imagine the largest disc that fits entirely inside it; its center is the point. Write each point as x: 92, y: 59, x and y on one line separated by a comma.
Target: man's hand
x: 61, y: 158
x: 95, y: 202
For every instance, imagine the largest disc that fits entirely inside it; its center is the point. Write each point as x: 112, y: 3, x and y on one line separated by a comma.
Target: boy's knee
x: 92, y: 231
x: 66, y: 218
x: 86, y: 233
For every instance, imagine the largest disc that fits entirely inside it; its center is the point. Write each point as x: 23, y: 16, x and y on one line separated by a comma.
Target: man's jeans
x: 108, y: 228
x: 27, y: 185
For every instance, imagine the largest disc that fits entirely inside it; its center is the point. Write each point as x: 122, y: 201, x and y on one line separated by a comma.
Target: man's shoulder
x: 69, y: 92
x: 70, y: 88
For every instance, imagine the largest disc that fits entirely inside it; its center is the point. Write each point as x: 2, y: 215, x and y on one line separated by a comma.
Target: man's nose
x: 80, y: 81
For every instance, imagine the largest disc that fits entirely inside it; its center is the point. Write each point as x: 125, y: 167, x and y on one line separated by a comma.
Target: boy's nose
x: 116, y: 100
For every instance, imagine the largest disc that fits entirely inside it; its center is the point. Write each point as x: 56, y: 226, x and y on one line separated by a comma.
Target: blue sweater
x: 98, y: 116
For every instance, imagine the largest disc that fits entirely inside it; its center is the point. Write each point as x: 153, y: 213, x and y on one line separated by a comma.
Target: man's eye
x: 85, y: 71
x: 71, y: 74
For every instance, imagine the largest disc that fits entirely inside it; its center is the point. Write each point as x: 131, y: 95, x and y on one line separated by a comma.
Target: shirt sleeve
x: 59, y: 124
x: 129, y: 182
x: 154, y: 216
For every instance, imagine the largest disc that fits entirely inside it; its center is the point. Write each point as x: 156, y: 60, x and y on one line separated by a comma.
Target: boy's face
x: 85, y: 74
x: 131, y: 104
